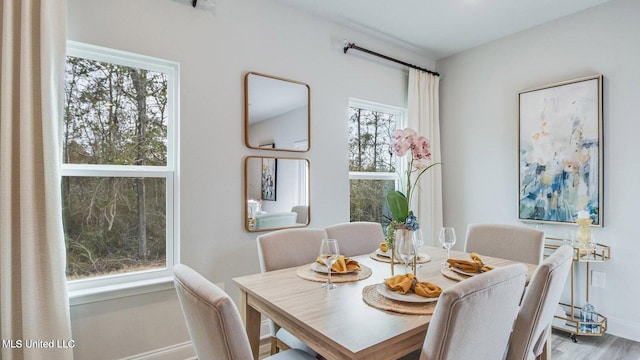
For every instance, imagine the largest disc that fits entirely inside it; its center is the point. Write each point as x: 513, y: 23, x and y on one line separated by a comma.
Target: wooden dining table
x: 337, y: 323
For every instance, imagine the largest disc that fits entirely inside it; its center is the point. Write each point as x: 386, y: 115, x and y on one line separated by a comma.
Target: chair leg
x: 282, y: 346
x: 274, y: 345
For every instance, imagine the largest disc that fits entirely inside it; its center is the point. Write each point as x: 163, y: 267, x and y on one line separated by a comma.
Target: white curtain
x: 423, y: 113
x: 34, y: 308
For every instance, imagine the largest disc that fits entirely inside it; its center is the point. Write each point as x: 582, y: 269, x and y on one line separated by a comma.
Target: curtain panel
x: 34, y: 307
x: 424, y: 117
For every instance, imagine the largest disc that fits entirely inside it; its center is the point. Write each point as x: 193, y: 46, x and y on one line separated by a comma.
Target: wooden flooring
x: 606, y: 347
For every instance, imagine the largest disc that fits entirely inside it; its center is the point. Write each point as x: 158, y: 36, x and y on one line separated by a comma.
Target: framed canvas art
x: 269, y: 172
x: 560, y: 151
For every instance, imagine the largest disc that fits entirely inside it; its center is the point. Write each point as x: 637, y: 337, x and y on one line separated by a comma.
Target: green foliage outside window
x: 114, y: 115
x: 370, y: 152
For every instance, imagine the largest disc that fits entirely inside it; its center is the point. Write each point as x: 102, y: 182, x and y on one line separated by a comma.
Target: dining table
x: 351, y: 321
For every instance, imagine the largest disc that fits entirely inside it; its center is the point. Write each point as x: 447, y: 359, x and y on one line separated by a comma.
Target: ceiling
x: 440, y: 28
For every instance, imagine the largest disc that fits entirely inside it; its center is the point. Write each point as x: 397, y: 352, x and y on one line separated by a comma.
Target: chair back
x: 473, y: 319
x: 356, y: 238
x: 539, y: 305
x: 212, y: 318
x: 289, y: 247
x: 512, y: 242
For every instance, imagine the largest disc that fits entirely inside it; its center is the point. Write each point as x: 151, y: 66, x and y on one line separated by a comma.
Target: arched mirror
x: 276, y: 192
x: 276, y: 112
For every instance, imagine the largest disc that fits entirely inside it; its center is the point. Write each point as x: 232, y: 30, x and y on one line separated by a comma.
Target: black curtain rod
x: 356, y: 47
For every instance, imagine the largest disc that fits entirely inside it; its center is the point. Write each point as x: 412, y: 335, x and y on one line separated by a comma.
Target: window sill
x: 109, y: 292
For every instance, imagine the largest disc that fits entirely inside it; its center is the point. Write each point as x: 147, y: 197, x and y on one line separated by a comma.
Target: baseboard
x: 624, y: 329
x: 182, y: 351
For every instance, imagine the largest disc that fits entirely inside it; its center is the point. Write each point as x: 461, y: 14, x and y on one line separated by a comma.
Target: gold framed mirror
x: 277, y: 111
x: 276, y: 193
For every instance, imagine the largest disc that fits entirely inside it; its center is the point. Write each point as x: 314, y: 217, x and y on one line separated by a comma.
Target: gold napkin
x: 405, y: 283
x: 343, y: 265
x: 474, y: 266
x: 383, y: 247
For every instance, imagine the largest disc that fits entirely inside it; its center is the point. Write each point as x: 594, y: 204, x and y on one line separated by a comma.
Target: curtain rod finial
x: 346, y: 45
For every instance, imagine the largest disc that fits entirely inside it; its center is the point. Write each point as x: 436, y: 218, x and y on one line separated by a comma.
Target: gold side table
x: 571, y: 321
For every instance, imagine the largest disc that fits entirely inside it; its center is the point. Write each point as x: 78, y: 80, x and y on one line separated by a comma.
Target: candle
x: 582, y: 214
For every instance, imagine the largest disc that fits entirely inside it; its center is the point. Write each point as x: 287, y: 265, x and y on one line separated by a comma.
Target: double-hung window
x: 119, y: 170
x: 373, y: 168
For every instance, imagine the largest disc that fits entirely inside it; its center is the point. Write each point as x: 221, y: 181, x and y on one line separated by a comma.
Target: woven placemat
x: 422, y: 258
x: 450, y: 274
x: 373, y: 298
x: 306, y: 273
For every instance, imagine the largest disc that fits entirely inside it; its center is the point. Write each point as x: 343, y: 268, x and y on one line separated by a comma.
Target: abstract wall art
x: 560, y: 151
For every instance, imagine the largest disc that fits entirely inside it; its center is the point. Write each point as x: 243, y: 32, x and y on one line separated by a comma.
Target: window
x: 372, y: 165
x: 119, y: 167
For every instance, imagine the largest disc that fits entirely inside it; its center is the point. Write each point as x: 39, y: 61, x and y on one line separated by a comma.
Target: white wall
x: 479, y: 116
x: 215, y: 51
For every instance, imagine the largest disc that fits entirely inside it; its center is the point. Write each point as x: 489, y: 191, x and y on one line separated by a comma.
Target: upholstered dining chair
x: 282, y: 249
x: 512, y: 242
x: 356, y: 238
x: 214, y: 322
x: 473, y: 318
x: 538, y: 306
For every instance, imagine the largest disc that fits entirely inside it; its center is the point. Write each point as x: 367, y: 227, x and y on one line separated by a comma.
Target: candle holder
x: 583, y: 235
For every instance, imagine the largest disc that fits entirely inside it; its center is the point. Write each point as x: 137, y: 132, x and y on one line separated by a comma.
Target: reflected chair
x: 533, y: 324
x: 302, y: 212
x: 473, y: 319
x: 356, y: 238
x: 511, y: 242
x: 283, y: 249
x: 213, y: 320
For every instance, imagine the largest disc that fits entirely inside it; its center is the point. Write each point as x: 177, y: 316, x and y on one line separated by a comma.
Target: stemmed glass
x: 405, y: 248
x: 447, y: 239
x: 418, y: 241
x: 329, y: 253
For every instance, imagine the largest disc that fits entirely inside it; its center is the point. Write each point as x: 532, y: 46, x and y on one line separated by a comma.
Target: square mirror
x: 276, y: 193
x: 277, y: 112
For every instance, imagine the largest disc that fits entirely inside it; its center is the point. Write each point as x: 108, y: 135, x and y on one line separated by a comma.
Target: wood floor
x: 606, y: 347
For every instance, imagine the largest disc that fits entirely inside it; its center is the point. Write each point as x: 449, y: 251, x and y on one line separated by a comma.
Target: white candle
x: 582, y: 214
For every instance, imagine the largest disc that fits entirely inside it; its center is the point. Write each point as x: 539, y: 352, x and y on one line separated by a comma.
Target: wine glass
x: 404, y: 247
x: 447, y: 239
x: 418, y: 241
x: 329, y: 253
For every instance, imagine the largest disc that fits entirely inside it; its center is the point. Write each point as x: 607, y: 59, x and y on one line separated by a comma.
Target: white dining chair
x: 532, y: 326
x: 283, y: 249
x: 213, y: 321
x: 473, y: 318
x: 511, y: 242
x: 356, y: 238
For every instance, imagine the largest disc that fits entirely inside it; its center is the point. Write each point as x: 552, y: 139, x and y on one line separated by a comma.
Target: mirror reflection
x: 276, y: 112
x: 276, y: 193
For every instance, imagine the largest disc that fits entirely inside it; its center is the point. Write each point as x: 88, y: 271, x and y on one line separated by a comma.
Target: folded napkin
x: 383, y: 247
x: 343, y: 265
x: 474, y: 266
x: 408, y: 283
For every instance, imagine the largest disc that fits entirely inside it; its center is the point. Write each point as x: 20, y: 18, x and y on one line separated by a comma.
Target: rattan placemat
x: 450, y: 274
x: 306, y: 273
x: 422, y: 258
x: 373, y: 298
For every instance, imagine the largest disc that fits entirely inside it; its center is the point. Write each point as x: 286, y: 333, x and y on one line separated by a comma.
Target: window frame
x: 401, y: 123
x: 132, y: 283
